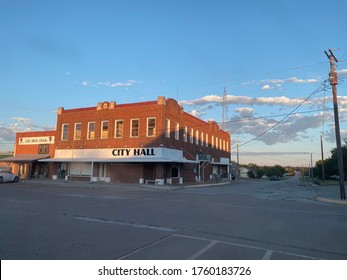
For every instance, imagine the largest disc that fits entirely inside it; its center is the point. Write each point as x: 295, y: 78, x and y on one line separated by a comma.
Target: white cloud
x: 294, y: 128
x: 7, y: 134
x: 294, y: 80
x: 301, y: 81
x: 342, y: 73
x: 194, y: 113
x: 23, y: 124
x: 128, y: 83
x: 19, y: 124
x: 266, y: 87
x: 246, y: 100
x: 245, y: 112
x: 272, y: 81
x: 198, y: 113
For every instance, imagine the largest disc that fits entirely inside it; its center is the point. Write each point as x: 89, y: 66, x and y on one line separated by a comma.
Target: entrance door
x: 149, y: 171
x: 102, y: 171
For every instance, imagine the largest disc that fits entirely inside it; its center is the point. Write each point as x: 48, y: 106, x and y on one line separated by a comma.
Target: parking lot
x: 241, y: 220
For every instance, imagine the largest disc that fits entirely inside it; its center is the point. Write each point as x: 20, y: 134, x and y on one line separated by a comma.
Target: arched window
x: 174, y: 172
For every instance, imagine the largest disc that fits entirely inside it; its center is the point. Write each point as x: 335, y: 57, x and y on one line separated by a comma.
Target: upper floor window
x: 104, y: 129
x: 202, y: 139
x: 91, y: 130
x: 151, y: 127
x: 167, y: 128
x: 206, y: 142
x: 43, y: 149
x: 197, y: 137
x: 78, y: 131
x: 134, y: 130
x: 119, y: 125
x: 177, y: 131
x: 65, y: 131
x: 185, y: 133
x: 191, y: 136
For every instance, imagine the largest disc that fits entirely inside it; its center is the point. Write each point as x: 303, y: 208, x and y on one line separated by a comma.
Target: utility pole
x: 311, y: 168
x: 238, y: 162
x: 333, y: 83
x: 322, y: 153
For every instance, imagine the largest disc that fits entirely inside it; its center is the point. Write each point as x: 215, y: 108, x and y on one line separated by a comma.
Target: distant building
x: 147, y: 142
x: 5, y: 165
x: 30, y: 147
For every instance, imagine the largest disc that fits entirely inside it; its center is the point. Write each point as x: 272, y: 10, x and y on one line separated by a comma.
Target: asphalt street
x: 248, y: 220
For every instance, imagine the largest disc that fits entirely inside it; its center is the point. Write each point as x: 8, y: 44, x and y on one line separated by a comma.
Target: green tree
x: 331, y: 165
x: 276, y: 170
x: 261, y: 172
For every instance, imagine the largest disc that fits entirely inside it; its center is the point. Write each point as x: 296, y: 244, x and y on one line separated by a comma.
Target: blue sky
x: 268, y: 54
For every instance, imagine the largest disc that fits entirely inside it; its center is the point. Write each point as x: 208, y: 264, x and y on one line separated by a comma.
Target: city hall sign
x: 119, y: 154
x: 133, y: 152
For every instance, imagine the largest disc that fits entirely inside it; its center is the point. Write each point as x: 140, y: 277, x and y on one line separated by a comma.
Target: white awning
x: 220, y: 163
x: 118, y: 160
x: 120, y: 155
x: 24, y: 158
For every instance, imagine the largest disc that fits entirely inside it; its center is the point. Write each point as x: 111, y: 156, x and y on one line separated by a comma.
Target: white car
x: 7, y: 176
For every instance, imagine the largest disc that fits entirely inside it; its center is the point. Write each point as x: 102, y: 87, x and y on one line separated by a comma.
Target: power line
x: 281, y: 115
x: 286, y: 116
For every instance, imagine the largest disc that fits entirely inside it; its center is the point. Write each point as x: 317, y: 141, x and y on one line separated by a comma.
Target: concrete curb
x: 205, y: 185
x: 329, y: 200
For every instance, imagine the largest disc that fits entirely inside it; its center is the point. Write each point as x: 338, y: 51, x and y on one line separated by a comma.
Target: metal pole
x: 311, y: 167
x: 333, y: 83
x: 321, y: 148
x: 238, y: 162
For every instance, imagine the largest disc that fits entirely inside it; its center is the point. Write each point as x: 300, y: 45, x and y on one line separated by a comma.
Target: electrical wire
x: 319, y: 89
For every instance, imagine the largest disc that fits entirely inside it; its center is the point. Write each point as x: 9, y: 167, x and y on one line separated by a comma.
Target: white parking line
x: 143, y: 247
x: 203, y: 250
x: 268, y: 255
x: 125, y: 223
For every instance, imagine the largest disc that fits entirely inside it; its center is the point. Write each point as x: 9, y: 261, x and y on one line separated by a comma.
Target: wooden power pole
x: 333, y: 83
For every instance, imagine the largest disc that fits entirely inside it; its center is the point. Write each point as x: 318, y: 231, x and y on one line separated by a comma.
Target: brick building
x: 147, y: 142
x: 30, y: 147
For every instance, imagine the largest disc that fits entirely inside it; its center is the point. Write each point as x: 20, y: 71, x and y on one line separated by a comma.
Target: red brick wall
x: 160, y: 109
x: 125, y: 173
x: 33, y: 149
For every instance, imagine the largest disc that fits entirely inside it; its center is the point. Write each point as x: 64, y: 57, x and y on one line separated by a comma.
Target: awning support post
x: 91, y: 172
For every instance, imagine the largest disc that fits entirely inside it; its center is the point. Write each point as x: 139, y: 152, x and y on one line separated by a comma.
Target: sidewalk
x: 329, y: 194
x: 81, y: 183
